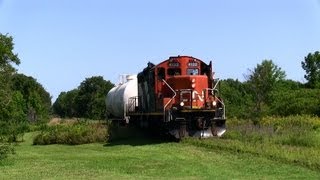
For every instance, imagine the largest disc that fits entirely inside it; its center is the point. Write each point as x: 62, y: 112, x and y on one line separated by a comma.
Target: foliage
x: 16, y: 123
x: 9, y: 101
x: 311, y: 65
x: 7, y: 58
x: 5, y: 149
x: 236, y: 97
x: 65, y: 105
x: 37, y: 100
x: 285, y: 102
x: 262, y: 80
x: 20, y: 97
x: 287, y: 98
x: 91, y: 97
x: 293, y: 139
x: 73, y: 133
x: 287, y: 84
x: 87, y: 101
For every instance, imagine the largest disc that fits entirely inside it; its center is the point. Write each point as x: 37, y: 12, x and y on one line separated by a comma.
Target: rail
x: 165, y: 106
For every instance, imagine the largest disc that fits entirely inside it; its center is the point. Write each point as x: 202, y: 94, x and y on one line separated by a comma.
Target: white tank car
x: 118, y: 96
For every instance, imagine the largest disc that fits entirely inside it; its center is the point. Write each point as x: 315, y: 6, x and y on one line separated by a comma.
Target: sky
x: 62, y: 42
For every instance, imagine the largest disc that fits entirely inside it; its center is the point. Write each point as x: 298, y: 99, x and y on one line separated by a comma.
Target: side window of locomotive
x: 192, y: 71
x: 161, y: 73
x: 174, y: 71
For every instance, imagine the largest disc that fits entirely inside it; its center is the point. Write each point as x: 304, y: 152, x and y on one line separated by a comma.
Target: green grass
x: 142, y: 159
x: 293, y: 139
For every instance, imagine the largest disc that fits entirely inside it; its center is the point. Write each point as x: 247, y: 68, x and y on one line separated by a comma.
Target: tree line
x: 24, y: 101
x: 22, y: 98
x: 85, y: 101
x: 266, y: 91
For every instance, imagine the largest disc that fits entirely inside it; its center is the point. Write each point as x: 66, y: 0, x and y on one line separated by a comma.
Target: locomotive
x: 179, y: 96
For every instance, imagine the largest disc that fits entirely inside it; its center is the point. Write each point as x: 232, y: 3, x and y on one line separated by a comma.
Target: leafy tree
x: 65, y: 105
x: 91, y: 97
x: 236, y: 97
x: 37, y: 99
x: 311, y: 65
x: 287, y: 84
x: 7, y: 59
x: 87, y: 101
x: 17, y: 122
x: 295, y: 102
x: 262, y: 80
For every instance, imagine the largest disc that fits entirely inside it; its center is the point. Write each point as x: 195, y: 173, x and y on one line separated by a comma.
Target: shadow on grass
x: 130, y: 135
x: 136, y: 141
x: 140, y: 139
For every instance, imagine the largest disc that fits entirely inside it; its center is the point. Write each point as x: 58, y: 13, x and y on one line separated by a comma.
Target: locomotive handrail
x: 165, y: 106
x: 223, y: 105
x: 216, y: 84
x: 224, y: 109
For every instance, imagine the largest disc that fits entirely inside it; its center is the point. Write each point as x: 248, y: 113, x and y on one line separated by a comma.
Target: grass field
x: 142, y: 159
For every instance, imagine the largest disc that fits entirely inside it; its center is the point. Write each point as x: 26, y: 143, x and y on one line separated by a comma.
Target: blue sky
x: 62, y: 42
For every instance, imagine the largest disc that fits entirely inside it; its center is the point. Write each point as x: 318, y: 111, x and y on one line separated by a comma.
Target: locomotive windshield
x: 192, y: 71
x: 174, y: 71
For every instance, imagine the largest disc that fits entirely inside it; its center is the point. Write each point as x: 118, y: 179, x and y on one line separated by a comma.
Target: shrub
x: 72, y: 134
x: 5, y: 149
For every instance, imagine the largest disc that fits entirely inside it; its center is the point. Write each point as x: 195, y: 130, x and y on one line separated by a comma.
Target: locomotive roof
x: 180, y: 57
x: 177, y: 58
x: 151, y: 66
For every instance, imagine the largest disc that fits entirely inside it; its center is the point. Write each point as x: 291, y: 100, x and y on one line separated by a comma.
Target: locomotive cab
x: 187, y: 94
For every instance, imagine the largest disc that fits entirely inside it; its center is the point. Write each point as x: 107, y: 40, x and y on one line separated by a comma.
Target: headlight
x: 214, y: 103
x: 182, y: 104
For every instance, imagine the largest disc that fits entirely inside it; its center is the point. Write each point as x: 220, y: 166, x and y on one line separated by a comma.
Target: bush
x: 295, y: 102
x: 72, y: 134
x: 5, y: 149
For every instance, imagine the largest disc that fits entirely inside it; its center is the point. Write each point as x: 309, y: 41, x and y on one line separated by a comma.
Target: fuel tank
x: 117, y: 97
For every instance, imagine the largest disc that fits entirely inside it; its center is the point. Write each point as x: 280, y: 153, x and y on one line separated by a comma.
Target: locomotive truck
x: 178, y: 96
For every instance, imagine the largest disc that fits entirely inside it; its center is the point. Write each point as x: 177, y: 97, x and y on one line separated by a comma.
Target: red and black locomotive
x: 178, y: 96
